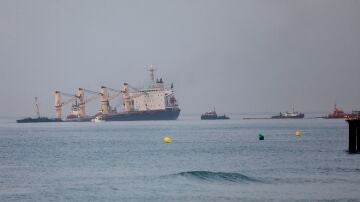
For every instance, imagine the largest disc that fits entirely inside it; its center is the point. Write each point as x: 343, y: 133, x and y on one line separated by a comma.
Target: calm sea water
x: 207, y: 161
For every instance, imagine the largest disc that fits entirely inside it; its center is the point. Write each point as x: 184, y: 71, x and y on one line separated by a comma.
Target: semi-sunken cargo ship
x: 289, y: 115
x: 157, y: 102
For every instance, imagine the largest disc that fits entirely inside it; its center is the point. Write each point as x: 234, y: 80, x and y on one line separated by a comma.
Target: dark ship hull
x: 37, y: 120
x: 212, y: 117
x: 167, y: 114
x: 85, y: 119
x: 335, y: 117
x: 300, y: 116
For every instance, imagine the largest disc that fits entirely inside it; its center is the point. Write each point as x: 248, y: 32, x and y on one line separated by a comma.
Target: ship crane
x: 126, y: 95
x: 90, y: 91
x: 83, y: 101
x: 69, y: 101
x: 135, y: 89
x: 73, y: 98
x: 91, y: 99
x: 103, y: 98
x: 119, y: 92
x: 59, y: 104
x: 116, y: 92
x: 37, y: 107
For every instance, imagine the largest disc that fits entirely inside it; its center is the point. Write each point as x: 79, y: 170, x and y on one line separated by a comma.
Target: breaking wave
x: 217, y: 176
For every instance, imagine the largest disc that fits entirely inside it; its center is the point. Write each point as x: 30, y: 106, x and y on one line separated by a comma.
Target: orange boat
x: 336, y: 114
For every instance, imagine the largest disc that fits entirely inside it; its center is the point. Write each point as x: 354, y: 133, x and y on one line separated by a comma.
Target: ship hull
x: 288, y: 117
x: 204, y: 117
x: 85, y: 119
x: 208, y: 117
x: 334, y: 117
x: 167, y: 114
x: 37, y: 120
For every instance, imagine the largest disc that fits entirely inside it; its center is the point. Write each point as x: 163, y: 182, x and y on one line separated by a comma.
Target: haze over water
x: 237, y: 56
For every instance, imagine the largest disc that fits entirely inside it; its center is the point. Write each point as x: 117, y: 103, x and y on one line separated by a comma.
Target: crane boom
x: 91, y: 98
x: 117, y: 92
x: 67, y: 94
x: 111, y: 89
x: 115, y: 95
x: 137, y: 90
x: 91, y: 91
x: 68, y: 101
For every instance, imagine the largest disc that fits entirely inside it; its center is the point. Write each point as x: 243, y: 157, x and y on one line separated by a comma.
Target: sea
x: 213, y: 160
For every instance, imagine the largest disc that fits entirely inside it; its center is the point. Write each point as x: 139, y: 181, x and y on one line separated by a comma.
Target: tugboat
x: 74, y: 115
x: 39, y: 119
x: 211, y: 115
x: 336, y: 114
x: 289, y: 115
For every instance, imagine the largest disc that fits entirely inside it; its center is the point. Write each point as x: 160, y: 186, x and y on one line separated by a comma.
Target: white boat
x: 97, y: 119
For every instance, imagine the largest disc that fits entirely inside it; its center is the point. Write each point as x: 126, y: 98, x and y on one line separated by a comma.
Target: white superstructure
x: 156, y: 97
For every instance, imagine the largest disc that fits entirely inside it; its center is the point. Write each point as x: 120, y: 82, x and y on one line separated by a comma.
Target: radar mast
x: 152, y: 69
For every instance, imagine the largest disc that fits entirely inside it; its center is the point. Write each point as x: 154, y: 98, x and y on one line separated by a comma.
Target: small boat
x: 212, y: 115
x: 74, y: 115
x: 289, y: 115
x: 336, y: 114
x: 97, y: 119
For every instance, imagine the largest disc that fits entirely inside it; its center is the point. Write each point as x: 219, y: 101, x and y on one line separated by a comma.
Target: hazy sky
x: 239, y: 56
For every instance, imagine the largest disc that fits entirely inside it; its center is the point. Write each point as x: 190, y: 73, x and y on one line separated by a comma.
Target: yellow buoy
x: 167, y: 139
x: 298, y: 133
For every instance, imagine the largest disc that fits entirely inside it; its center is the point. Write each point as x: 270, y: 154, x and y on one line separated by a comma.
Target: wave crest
x: 217, y: 176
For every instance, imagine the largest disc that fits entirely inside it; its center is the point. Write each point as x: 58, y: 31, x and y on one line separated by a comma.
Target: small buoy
x: 167, y: 139
x: 298, y: 133
x: 261, y: 137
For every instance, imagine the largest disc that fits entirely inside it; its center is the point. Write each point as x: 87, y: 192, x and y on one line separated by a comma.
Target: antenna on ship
x: 335, y: 105
x: 37, y: 107
x: 152, y: 76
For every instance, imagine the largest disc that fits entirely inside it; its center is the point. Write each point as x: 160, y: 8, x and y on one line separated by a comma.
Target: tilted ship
x: 38, y: 119
x: 212, y: 115
x: 157, y: 102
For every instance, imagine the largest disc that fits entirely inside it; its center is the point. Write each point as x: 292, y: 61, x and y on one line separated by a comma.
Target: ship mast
x: 152, y: 76
x: 37, y: 107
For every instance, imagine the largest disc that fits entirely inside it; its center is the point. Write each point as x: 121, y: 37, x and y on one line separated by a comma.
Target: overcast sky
x: 239, y: 56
